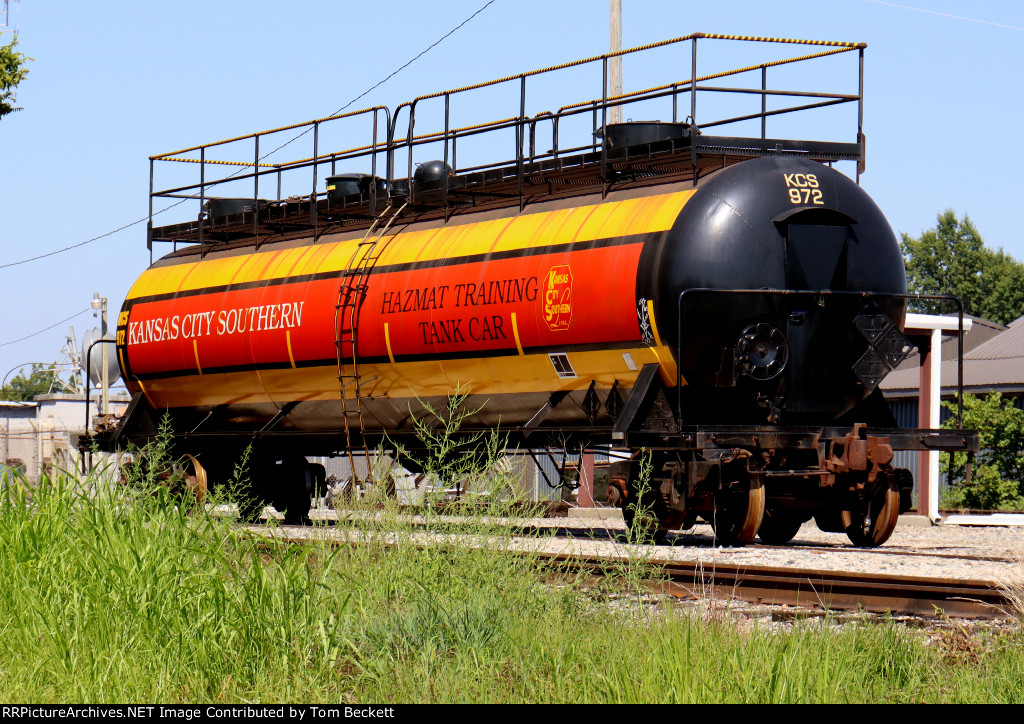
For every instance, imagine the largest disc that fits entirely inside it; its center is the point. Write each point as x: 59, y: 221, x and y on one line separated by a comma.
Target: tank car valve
x: 761, y: 351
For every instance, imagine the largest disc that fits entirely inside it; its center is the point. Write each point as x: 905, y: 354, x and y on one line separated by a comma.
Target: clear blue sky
x: 115, y: 82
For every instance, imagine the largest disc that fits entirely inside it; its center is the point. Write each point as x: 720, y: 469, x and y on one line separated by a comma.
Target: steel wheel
x: 779, y: 526
x: 738, y: 513
x: 875, y: 520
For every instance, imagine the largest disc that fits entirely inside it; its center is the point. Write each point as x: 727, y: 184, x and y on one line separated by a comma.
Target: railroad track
x: 770, y: 585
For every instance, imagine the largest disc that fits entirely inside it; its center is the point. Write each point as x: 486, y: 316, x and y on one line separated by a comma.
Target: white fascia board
x: 935, y: 321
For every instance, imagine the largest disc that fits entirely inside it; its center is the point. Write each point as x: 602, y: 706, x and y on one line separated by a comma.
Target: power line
x: 380, y: 83
x: 55, y: 324
x: 370, y: 89
x: 431, y: 47
x: 944, y: 15
x: 88, y: 241
x: 367, y: 91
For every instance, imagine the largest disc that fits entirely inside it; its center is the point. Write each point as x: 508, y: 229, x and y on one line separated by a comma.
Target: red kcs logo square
x: 558, y: 298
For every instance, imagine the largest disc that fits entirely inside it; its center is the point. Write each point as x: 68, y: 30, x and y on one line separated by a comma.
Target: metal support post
x: 256, y: 190
x: 100, y: 304
x: 312, y: 195
x: 764, y: 100
x: 693, y: 109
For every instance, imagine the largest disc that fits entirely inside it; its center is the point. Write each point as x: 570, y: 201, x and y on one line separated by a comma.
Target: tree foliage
x: 12, y: 72
x: 24, y: 389
x: 952, y: 259
x: 997, y: 477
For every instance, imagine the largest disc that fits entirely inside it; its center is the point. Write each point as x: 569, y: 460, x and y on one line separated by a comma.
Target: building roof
x: 1006, y: 345
x: 16, y: 405
x: 80, y: 397
x: 995, y: 364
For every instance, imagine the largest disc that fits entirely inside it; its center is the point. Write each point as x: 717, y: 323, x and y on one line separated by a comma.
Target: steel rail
x: 878, y: 593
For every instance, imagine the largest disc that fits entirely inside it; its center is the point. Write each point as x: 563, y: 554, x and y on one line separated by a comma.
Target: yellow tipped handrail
x: 163, y: 156
x: 637, y: 49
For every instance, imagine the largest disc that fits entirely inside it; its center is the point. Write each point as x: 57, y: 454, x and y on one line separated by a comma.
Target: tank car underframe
x: 741, y: 478
x: 841, y: 476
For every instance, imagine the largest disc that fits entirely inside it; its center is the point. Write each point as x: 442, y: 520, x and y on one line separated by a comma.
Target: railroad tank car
x: 730, y: 328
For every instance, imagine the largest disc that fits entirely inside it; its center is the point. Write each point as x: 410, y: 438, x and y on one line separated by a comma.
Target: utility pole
x: 615, y: 64
x: 5, y: 18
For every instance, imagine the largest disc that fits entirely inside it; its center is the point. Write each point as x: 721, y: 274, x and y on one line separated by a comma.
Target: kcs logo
x: 558, y: 298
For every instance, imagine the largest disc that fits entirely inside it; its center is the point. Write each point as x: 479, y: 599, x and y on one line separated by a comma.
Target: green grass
x: 113, y: 596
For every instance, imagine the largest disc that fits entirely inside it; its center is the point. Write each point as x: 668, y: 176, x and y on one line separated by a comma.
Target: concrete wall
x: 46, y: 440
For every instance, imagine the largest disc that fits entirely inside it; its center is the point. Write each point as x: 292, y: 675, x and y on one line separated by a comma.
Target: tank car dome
x: 431, y: 173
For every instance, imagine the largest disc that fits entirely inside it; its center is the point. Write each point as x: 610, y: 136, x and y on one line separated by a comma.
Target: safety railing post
x: 202, y: 201
x: 390, y: 158
x: 447, y: 127
x: 604, y: 125
x: 409, y: 138
x: 256, y: 189
x: 387, y: 153
x: 149, y: 224
x: 693, y: 108
x: 764, y: 101
x: 860, y: 113
x: 520, y: 132
x: 373, y: 169
x: 312, y: 194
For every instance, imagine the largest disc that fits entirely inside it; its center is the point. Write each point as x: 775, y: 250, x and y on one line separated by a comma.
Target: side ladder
x: 351, y: 294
